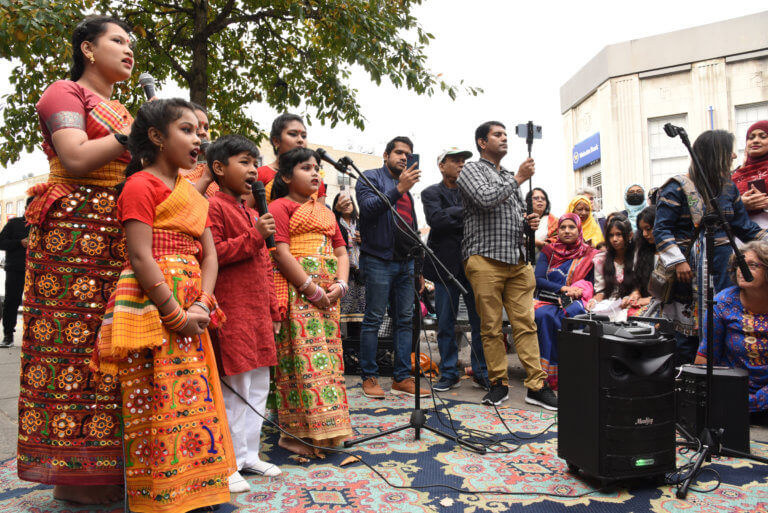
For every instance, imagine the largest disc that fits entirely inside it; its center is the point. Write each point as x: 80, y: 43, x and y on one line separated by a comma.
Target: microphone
x: 260, y: 195
x: 338, y: 166
x: 673, y: 130
x: 147, y: 82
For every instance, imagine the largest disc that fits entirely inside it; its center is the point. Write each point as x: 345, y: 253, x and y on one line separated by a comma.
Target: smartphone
x: 413, y: 158
x: 759, y: 185
x: 344, y: 191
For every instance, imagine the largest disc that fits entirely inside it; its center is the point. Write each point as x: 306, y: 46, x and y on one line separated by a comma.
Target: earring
x: 93, y: 61
x: 162, y: 147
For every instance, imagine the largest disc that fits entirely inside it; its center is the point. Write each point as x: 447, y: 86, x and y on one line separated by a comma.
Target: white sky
x: 520, y: 53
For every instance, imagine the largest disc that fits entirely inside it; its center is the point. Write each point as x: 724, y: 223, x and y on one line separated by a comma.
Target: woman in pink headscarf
x: 752, y: 178
x: 565, y: 269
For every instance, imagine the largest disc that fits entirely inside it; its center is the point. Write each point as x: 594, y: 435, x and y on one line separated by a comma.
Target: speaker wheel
x: 573, y: 469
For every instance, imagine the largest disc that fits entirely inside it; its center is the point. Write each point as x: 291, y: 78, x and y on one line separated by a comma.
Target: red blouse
x: 246, y: 341
x: 145, y: 192
x: 282, y: 209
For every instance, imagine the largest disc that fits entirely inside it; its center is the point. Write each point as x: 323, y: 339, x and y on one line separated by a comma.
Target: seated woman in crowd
x: 634, y: 203
x: 752, y: 178
x: 645, y: 260
x: 564, y: 268
x: 537, y: 201
x: 741, y: 327
x: 581, y: 205
x: 614, y: 277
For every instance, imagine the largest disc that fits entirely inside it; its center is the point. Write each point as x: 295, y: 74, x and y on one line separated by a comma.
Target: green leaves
x: 228, y: 53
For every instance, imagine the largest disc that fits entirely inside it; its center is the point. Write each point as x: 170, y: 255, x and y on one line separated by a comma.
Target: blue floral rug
x: 532, y: 470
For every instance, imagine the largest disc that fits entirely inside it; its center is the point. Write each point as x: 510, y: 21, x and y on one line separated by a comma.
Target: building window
x: 20, y: 207
x: 746, y: 115
x: 594, y: 178
x: 8, y: 210
x: 668, y: 156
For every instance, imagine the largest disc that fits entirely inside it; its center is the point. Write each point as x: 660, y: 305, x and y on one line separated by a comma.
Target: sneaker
x: 498, y: 394
x: 261, y: 468
x: 7, y: 341
x: 482, y: 383
x: 408, y: 387
x: 545, y: 398
x: 445, y: 384
x: 372, y: 389
x: 238, y: 484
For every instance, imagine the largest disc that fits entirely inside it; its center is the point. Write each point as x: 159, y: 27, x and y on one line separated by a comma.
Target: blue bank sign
x: 586, y: 151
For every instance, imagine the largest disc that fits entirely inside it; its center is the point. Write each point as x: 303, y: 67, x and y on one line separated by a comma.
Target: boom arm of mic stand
x: 360, y: 176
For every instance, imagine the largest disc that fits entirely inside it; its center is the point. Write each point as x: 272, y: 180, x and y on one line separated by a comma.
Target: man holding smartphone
x: 494, y: 261
x: 387, y: 265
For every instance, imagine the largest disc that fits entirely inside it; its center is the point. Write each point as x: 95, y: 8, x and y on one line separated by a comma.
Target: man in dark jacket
x: 444, y: 211
x: 13, y: 240
x: 387, y: 266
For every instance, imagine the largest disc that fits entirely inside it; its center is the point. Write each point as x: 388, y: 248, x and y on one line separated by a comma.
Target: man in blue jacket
x: 387, y: 266
x: 444, y: 211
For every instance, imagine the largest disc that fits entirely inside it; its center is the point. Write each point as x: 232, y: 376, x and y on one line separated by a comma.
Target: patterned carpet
x: 324, y: 486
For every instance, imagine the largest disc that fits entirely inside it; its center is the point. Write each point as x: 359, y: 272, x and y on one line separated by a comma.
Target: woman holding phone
x: 752, y: 178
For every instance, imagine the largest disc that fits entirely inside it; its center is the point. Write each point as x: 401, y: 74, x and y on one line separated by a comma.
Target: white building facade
x: 614, y: 109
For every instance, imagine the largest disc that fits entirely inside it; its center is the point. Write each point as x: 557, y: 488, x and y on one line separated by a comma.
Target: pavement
x: 9, y: 390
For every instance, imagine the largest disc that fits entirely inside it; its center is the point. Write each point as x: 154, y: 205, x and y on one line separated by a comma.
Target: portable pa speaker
x: 730, y: 403
x: 616, y: 404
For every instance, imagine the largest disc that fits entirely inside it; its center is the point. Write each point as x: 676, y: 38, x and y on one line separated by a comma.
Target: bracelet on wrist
x: 316, y: 295
x: 203, y: 306
x: 305, y: 285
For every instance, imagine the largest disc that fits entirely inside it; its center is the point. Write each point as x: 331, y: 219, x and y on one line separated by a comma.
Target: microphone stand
x: 418, y: 419
x: 710, y: 440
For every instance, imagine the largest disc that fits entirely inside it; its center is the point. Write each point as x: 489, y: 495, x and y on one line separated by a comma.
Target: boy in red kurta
x: 245, y: 289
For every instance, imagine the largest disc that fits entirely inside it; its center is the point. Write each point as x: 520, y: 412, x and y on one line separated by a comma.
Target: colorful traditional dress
x: 194, y: 174
x: 69, y: 421
x: 311, y: 395
x: 178, y: 450
x: 741, y: 340
x: 559, y: 265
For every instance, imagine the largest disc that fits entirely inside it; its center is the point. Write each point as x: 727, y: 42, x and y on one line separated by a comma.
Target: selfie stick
x: 528, y: 130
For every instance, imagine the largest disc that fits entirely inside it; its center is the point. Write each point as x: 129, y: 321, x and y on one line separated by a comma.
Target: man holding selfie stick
x: 494, y: 262
x: 387, y: 266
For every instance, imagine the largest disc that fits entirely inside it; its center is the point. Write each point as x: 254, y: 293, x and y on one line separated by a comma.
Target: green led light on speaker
x: 644, y: 462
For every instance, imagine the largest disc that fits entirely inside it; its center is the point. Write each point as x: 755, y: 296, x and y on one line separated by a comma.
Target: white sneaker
x: 238, y: 484
x: 261, y: 468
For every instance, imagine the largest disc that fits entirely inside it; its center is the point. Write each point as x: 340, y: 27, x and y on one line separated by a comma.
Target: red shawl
x: 753, y: 169
x: 558, y: 252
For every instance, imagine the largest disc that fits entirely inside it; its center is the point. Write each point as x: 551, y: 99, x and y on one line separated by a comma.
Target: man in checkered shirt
x: 494, y: 262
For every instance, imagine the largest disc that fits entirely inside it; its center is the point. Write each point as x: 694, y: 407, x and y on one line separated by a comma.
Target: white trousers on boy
x: 244, y: 424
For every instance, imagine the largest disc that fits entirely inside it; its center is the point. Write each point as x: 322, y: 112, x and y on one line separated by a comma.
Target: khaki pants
x: 498, y: 285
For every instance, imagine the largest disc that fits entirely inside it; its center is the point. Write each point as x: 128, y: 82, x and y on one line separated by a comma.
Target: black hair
x: 355, y: 216
x: 197, y: 106
x: 279, y: 124
x: 226, y: 147
x: 89, y: 30
x: 645, y: 251
x: 156, y: 114
x: 609, y: 268
x: 529, y: 200
x: 288, y: 161
x: 714, y: 149
x: 483, y: 130
x: 399, y: 139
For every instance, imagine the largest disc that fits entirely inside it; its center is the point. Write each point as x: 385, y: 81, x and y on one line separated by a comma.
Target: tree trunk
x: 198, y: 82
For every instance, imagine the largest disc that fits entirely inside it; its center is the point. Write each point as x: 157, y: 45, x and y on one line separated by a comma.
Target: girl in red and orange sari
x: 69, y: 422
x: 153, y: 341
x: 311, y: 277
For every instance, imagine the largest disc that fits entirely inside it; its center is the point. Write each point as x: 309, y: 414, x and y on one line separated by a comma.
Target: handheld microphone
x: 260, y: 195
x: 147, y: 82
x: 338, y: 166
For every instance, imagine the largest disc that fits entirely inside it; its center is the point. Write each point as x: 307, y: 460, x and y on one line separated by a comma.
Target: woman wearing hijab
x: 564, y: 267
x: 752, y: 178
x: 634, y: 203
x: 581, y: 206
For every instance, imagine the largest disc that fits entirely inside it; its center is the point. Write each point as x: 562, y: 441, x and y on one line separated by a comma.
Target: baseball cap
x: 453, y: 151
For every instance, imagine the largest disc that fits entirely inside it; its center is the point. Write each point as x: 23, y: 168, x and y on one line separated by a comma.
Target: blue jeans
x: 382, y: 280
x: 447, y: 305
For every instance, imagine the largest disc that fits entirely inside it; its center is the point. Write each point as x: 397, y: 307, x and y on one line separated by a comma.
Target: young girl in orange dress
x: 313, y: 266
x: 178, y: 450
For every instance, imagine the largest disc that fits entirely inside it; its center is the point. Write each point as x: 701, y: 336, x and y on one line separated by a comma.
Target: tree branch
x: 174, y: 64
x: 171, y: 6
x: 219, y: 22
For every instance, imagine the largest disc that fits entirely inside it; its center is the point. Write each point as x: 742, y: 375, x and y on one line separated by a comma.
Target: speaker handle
x: 593, y: 322
x: 643, y: 368
x: 662, y: 324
